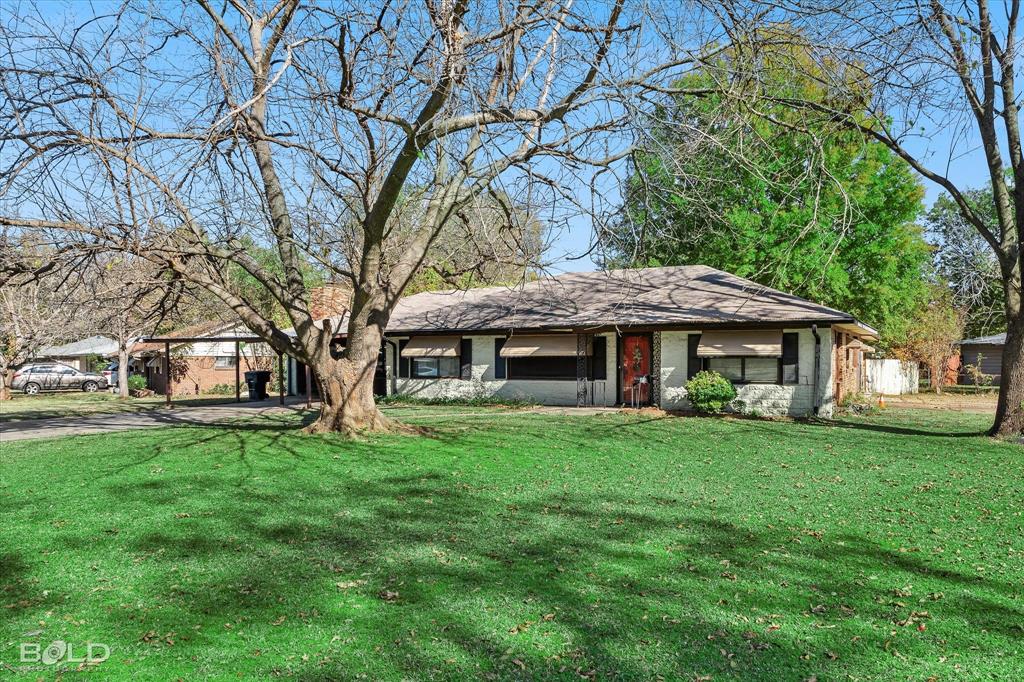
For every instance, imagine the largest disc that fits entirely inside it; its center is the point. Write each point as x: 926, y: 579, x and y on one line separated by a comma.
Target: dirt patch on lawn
x: 983, y: 403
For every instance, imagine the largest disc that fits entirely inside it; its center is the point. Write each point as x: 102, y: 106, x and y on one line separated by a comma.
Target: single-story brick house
x: 985, y: 353
x: 201, y: 366
x: 622, y: 337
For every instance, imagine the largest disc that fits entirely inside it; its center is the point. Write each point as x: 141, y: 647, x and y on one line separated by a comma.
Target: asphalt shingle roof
x: 681, y: 295
x: 993, y: 340
x: 94, y: 345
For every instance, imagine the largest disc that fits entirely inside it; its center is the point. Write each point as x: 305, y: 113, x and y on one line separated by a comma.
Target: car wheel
x: 90, y: 386
x: 31, y: 388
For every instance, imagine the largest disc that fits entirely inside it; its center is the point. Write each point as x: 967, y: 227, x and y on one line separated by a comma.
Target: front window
x: 730, y: 368
x: 749, y: 369
x: 761, y: 370
x: 225, y: 362
x: 435, y: 368
x: 744, y: 370
x: 555, y: 367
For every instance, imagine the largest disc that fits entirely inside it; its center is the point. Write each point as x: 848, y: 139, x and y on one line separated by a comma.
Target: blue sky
x: 966, y: 165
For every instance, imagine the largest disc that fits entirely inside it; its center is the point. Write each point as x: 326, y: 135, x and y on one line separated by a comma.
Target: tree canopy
x: 967, y: 264
x: 821, y: 213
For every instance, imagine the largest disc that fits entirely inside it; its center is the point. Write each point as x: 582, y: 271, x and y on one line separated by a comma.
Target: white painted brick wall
x: 484, y: 384
x: 768, y: 399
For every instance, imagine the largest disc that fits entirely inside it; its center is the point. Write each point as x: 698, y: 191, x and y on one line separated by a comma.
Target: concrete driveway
x: 59, y: 427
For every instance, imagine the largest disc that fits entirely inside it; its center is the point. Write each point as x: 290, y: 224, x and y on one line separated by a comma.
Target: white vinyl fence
x: 890, y: 377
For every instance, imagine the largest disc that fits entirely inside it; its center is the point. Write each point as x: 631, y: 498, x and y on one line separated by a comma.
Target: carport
x: 237, y: 340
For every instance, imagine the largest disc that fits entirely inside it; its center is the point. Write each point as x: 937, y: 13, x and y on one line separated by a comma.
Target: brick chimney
x: 329, y: 300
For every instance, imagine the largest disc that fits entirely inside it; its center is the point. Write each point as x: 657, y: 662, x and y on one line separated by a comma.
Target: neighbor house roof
x: 993, y: 340
x: 94, y: 345
x: 681, y: 296
x: 210, y: 328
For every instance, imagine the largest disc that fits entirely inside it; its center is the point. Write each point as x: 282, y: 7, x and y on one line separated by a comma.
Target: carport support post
x: 238, y: 375
x: 309, y: 387
x: 167, y: 373
x: 280, y: 376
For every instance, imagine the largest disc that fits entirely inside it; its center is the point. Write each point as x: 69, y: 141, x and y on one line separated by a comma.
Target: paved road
x: 58, y: 427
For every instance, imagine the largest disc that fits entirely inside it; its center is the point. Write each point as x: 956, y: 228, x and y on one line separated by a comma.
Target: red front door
x: 636, y: 369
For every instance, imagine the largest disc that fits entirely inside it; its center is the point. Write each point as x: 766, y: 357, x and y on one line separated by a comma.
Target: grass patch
x: 524, y: 546
x: 80, y: 404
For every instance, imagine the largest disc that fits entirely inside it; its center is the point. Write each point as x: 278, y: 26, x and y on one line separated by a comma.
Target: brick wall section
x: 767, y: 399
x: 483, y: 383
x: 331, y: 299
x: 201, y: 374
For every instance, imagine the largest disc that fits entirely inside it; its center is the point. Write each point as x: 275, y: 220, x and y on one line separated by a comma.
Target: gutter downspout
x: 817, y: 369
x: 394, y: 372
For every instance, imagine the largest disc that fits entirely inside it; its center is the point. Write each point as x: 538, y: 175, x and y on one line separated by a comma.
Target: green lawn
x: 524, y: 546
x: 79, y: 404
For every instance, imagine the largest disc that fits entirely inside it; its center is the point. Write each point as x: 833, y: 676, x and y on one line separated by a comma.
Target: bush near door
x: 709, y: 392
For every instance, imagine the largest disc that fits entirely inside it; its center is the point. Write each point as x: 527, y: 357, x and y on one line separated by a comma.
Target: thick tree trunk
x: 5, y: 378
x: 346, y: 387
x: 938, y: 372
x: 1009, y: 420
x: 122, y: 370
x: 346, y: 402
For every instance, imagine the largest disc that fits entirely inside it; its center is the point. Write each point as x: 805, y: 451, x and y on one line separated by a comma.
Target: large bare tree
x: 347, y: 135
x: 41, y: 304
x: 940, y: 79
x: 128, y: 297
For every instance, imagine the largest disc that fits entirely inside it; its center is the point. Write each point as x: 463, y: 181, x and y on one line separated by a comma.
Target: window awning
x: 432, y: 347
x: 753, y: 343
x: 541, y: 346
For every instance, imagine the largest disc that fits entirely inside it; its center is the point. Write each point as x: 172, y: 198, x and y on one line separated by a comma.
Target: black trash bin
x: 257, y: 382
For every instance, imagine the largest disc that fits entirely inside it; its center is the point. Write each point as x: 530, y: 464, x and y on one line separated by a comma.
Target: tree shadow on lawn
x: 553, y: 584
x: 850, y: 423
x: 14, y: 593
x: 609, y: 597
x: 448, y: 574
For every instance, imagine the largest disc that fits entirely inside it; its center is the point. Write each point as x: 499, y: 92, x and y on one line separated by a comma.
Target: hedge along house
x: 623, y: 337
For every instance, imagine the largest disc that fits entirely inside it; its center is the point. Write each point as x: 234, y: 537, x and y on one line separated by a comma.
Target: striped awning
x: 753, y: 343
x: 541, y: 346
x: 432, y: 347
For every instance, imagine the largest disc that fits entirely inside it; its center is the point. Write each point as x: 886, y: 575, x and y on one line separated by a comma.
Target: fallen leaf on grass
x: 349, y: 584
x: 522, y: 627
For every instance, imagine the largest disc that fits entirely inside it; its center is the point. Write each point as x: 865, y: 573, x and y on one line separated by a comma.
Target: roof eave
x: 865, y: 330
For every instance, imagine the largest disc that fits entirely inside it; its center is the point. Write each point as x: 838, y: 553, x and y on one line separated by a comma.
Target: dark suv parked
x: 53, y: 376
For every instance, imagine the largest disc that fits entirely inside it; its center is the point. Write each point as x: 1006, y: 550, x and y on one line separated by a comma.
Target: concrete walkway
x: 59, y: 427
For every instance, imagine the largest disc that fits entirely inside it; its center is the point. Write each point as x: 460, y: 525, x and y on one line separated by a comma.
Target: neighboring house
x: 199, y: 366
x: 622, y: 337
x: 80, y: 353
x: 985, y: 352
